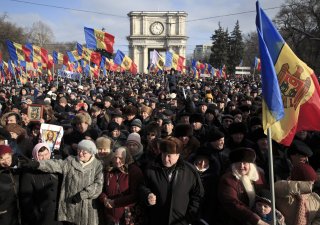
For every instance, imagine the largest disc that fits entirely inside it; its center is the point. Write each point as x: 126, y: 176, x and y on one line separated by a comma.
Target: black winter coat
x: 39, y: 194
x: 9, y: 188
x: 178, y: 200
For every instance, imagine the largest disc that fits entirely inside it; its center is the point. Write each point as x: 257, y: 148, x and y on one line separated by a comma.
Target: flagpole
x: 270, y: 152
x: 90, y: 72
x: 254, y: 71
x: 271, y: 177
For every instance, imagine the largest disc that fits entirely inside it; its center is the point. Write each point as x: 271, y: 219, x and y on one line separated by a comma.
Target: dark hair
x: 42, y: 149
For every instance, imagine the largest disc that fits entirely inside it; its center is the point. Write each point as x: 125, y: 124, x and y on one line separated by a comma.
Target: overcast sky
x: 67, y: 24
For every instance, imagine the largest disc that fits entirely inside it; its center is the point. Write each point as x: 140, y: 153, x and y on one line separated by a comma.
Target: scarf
x: 246, y: 181
x: 302, y: 218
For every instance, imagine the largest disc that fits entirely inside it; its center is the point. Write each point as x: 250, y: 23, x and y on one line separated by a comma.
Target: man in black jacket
x: 172, y: 189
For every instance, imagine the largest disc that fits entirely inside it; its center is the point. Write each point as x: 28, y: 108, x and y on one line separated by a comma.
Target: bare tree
x: 299, y: 23
x: 40, y: 34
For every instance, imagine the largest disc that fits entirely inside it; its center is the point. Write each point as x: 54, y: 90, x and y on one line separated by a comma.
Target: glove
x: 27, y: 163
x: 76, y: 198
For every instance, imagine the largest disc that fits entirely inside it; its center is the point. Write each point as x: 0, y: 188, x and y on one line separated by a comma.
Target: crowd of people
x: 150, y: 149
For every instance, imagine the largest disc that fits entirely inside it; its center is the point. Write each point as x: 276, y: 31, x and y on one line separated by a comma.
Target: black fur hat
x: 183, y: 130
x: 196, y: 117
x: 237, y: 128
x: 242, y: 155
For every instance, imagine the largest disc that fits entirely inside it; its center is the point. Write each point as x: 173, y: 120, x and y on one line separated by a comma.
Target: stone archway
x: 163, y: 31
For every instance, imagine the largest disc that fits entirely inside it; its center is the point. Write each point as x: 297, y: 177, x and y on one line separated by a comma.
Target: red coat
x: 234, y: 200
x: 122, y: 188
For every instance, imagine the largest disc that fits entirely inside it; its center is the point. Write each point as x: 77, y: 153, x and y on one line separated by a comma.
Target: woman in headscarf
x: 237, y: 189
x: 120, y: 190
x: 39, y: 192
x: 81, y: 183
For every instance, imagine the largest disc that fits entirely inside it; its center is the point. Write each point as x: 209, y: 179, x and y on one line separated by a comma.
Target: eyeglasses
x: 83, y: 152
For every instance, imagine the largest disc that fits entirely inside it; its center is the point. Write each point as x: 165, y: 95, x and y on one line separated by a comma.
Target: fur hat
x: 82, y: 117
x: 299, y: 147
x: 242, y: 155
x: 104, y: 143
x: 303, y: 172
x: 227, y: 116
x: 136, y: 122
x: 171, y: 145
x: 4, y: 134
x: 183, y: 130
x: 116, y: 113
x: 5, y: 149
x: 88, y: 146
x: 113, y: 126
x: 214, y: 134
x: 196, y: 117
x: 238, y: 128
x: 146, y: 109
x: 6, y: 115
x: 15, y: 128
x: 130, y: 110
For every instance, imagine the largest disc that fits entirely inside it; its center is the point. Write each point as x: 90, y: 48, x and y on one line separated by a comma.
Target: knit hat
x: 183, y: 130
x: 171, y: 145
x: 104, y: 143
x: 5, y: 149
x: 135, y: 138
x: 303, y: 172
x: 37, y: 148
x: 264, y: 196
x: 88, y: 146
x: 242, y: 155
x: 136, y: 122
x: 214, y: 134
x: 299, y: 147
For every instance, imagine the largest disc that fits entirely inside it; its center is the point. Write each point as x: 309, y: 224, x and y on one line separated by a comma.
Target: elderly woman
x: 81, y: 183
x: 295, y: 197
x: 237, y: 189
x: 121, y: 185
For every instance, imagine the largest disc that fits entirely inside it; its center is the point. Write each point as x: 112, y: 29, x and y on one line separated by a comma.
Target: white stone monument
x: 162, y: 31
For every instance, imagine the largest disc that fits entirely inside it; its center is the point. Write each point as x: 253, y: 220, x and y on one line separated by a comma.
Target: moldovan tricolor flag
x: 291, y: 92
x: 97, y: 39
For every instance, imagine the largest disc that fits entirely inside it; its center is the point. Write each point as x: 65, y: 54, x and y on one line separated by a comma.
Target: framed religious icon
x: 51, y: 135
x: 35, y: 112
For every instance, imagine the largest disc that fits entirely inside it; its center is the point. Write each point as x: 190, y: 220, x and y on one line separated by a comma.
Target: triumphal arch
x: 162, y: 31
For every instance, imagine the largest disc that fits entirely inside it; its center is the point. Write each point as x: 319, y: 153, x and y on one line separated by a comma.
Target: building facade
x: 202, y: 52
x: 162, y: 31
